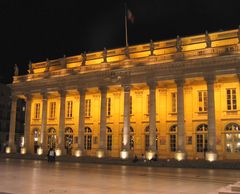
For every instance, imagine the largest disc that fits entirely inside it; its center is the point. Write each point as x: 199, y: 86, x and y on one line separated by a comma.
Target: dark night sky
x: 36, y: 30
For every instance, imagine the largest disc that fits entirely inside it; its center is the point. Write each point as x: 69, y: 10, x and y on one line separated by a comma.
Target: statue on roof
x: 126, y: 52
x: 152, y: 47
x: 178, y: 44
x: 47, y: 65
x: 63, y: 61
x: 84, y: 58
x: 238, y: 34
x: 208, y: 40
x: 104, y: 54
x: 30, y: 68
x: 16, y: 70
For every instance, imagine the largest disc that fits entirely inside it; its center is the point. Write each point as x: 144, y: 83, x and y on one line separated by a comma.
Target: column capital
x: 126, y: 87
x: 152, y: 85
x: 62, y: 93
x: 210, y: 78
x: 44, y: 95
x: 81, y: 91
x: 179, y: 82
x: 103, y: 89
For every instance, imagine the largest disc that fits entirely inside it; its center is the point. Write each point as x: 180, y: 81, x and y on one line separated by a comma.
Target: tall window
x: 109, y: 138
x: 88, y: 108
x: 37, y: 111
x: 52, y: 110
x: 52, y: 138
x: 174, y: 102
x: 231, y: 99
x: 131, y: 138
x: 201, y: 137
x: 202, y: 101
x: 232, y: 137
x: 88, y: 138
x: 173, y: 138
x: 108, y: 106
x: 130, y: 102
x: 69, y: 109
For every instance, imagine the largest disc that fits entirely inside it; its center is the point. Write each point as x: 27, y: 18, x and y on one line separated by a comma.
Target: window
x: 108, y: 106
x: 174, y: 102
x: 202, y: 101
x: 131, y: 138
x: 37, y: 111
x: 109, y: 139
x: 52, y: 110
x: 68, y: 139
x: 69, y: 109
x: 202, y: 137
x: 131, y: 111
x: 232, y: 137
x: 88, y: 138
x: 87, y: 108
x: 52, y: 138
x: 231, y: 99
x: 173, y: 138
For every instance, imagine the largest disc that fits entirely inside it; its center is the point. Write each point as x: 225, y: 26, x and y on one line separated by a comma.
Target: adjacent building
x: 175, y: 98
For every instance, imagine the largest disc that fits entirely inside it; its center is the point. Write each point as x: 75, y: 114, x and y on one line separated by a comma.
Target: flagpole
x: 126, y: 26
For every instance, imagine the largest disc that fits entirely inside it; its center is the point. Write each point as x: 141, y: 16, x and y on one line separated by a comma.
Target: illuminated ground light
x: 23, y: 150
x: 100, y: 153
x: 149, y: 155
x: 58, y: 152
x: 211, y: 156
x: 78, y: 153
x: 180, y: 156
x: 39, y: 151
x: 8, y: 150
x: 124, y: 154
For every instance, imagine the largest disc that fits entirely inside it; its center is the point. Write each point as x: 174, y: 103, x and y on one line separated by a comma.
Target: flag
x: 130, y: 16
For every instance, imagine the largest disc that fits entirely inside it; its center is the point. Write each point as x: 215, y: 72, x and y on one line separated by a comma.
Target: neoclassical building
x: 175, y: 98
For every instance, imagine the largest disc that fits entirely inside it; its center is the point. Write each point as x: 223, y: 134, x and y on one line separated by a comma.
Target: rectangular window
x: 37, y: 111
x: 108, y: 106
x: 69, y: 109
x: 109, y: 142
x: 202, y: 101
x: 131, y: 112
x: 52, y: 110
x: 231, y: 99
x: 174, y: 102
x: 87, y: 108
x: 173, y: 143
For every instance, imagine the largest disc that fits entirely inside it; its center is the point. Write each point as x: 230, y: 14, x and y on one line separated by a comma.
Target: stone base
x: 150, y: 154
x: 180, y: 155
x: 100, y: 153
x: 23, y: 150
x: 78, y: 152
x: 211, y: 156
x: 124, y: 154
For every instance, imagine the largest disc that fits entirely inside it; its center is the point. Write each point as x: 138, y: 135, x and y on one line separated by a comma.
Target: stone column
x: 180, y: 154
x: 11, y: 142
x: 27, y: 123
x: 81, y: 123
x: 43, y: 141
x: 126, y: 122
x: 152, y: 120
x: 61, y: 148
x: 211, y: 154
x: 102, y: 142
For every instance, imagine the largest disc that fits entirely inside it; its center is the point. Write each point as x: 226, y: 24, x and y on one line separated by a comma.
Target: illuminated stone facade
x: 177, y: 98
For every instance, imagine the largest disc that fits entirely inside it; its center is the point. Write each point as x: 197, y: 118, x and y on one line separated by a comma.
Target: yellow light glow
x: 39, y: 151
x: 23, y: 150
x: 179, y: 156
x: 100, y: 153
x: 211, y: 156
x: 58, y: 152
x: 78, y: 153
x: 149, y: 155
x: 8, y: 150
x: 124, y: 154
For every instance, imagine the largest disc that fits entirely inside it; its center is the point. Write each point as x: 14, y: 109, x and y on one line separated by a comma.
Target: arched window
x: 109, y: 138
x: 52, y: 137
x: 68, y: 139
x: 201, y: 137
x: 232, y: 137
x: 131, y: 142
x: 88, y: 138
x: 36, y: 135
x: 173, y: 138
x: 147, y: 139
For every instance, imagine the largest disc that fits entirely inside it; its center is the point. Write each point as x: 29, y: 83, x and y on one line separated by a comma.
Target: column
x: 11, y: 142
x: 152, y: 116
x: 211, y: 153
x: 81, y: 123
x: 180, y: 155
x: 126, y: 122
x: 27, y: 123
x: 43, y: 141
x: 60, y: 148
x: 103, y: 110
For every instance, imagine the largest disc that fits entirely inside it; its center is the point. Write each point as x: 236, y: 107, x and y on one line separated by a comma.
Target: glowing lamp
x: 211, y: 156
x: 149, y: 155
x: 58, y: 152
x: 23, y: 150
x: 8, y: 150
x: 179, y: 156
x: 100, y: 153
x: 124, y: 154
x: 39, y: 151
x: 78, y: 153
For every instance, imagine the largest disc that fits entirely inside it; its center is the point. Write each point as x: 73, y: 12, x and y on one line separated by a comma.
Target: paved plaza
x: 40, y: 177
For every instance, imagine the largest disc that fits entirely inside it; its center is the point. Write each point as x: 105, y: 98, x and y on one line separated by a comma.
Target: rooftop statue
x: 84, y: 58
x: 178, y: 44
x: 47, y: 65
x: 152, y: 47
x: 16, y: 70
x: 30, y: 69
x: 104, y: 54
x: 126, y: 52
x: 63, y: 61
x: 208, y: 40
